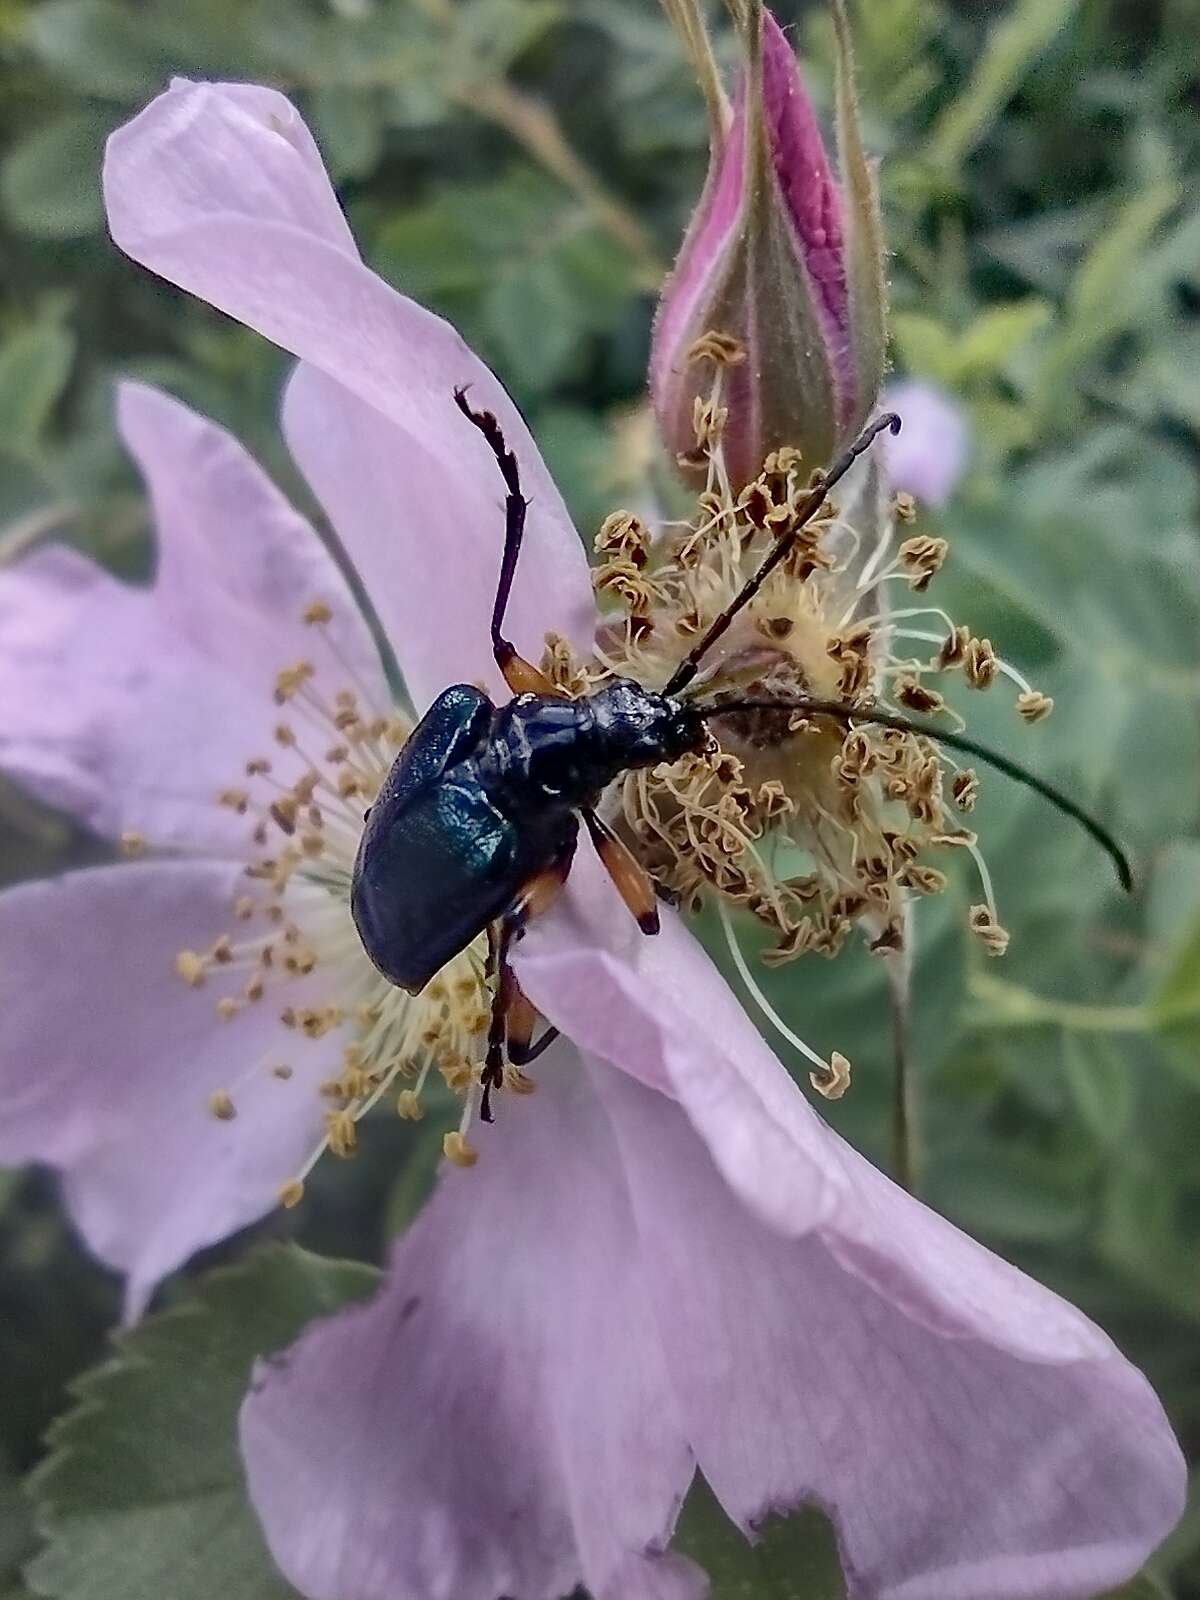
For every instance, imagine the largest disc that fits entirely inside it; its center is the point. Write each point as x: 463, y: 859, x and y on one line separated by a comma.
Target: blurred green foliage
x: 526, y: 167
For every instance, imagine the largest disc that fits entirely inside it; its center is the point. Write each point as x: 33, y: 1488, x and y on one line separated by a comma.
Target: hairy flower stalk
x: 780, y: 257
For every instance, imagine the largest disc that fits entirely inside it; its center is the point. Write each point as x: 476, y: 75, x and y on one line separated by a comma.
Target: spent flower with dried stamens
x: 867, y: 805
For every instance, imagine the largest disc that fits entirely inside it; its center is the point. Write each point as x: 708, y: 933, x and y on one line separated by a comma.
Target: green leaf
x: 1008, y: 1193
x: 98, y: 47
x: 1013, y: 44
x: 986, y: 346
x: 1176, y: 997
x: 1143, y: 1587
x: 1101, y: 1082
x: 793, y: 1558
x: 50, y: 179
x: 1108, y: 294
x: 498, y: 32
x: 924, y: 345
x: 349, y: 129
x: 142, y: 1495
x: 35, y: 364
x: 529, y: 314
x: 16, y: 1529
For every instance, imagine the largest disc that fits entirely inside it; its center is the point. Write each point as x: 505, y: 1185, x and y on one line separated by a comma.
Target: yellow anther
x: 190, y: 967
x: 234, y: 800
x: 964, y: 786
x: 408, y: 1104
x: 953, y: 651
x: 291, y: 1193
x: 985, y: 927
x: 316, y: 613
x: 284, y: 812
x: 291, y: 679
x: 923, y: 558
x: 923, y: 880
x: 834, y: 1080
x: 1034, y: 706
x: 133, y: 844
x: 914, y: 695
x: 980, y: 664
x: 227, y: 1008
x: 281, y: 1070
x: 722, y: 349
x: 243, y: 908
x: 457, y: 1151
x: 221, y: 1106
x: 341, y: 1133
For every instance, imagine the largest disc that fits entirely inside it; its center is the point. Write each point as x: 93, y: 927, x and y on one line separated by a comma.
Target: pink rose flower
x: 663, y: 1260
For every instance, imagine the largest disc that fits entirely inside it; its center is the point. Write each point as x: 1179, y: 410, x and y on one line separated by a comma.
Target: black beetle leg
x: 522, y: 1019
x: 521, y: 676
x: 535, y: 897
x: 493, y: 1066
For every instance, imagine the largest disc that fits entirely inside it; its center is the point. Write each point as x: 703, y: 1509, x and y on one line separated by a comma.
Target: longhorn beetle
x: 476, y: 824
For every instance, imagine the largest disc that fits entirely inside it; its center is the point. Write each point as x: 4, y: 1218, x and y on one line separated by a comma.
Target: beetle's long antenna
x: 805, y: 512
x: 956, y: 741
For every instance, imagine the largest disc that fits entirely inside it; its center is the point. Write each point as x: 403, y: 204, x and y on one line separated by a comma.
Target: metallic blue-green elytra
x: 482, y: 799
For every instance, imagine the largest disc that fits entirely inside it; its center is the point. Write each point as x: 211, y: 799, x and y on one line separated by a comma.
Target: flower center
x: 292, y: 943
x: 813, y: 828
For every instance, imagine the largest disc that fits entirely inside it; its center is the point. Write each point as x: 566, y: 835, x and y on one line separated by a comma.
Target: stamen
x: 831, y: 1078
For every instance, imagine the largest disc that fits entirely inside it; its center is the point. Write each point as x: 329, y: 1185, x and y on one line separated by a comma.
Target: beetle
x: 476, y: 825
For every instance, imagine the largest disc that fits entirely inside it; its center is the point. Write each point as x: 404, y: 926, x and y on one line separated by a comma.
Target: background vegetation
x: 526, y: 167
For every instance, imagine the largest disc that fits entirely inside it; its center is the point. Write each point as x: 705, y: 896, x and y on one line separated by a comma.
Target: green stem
x: 1008, y: 1005
x: 905, y: 1131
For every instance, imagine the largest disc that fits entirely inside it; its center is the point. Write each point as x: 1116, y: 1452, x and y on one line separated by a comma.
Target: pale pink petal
x: 108, y: 1060
x: 929, y: 455
x: 237, y: 566
x: 217, y: 191
x: 421, y: 513
x: 953, y: 1468
x: 657, y: 1009
x: 498, y: 1421
x: 132, y: 707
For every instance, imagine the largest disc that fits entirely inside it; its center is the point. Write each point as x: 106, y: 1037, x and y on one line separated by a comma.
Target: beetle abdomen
x: 432, y: 878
